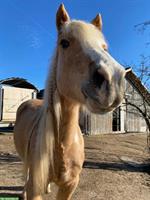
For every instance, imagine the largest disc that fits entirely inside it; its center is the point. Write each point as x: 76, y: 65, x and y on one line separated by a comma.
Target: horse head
x: 86, y: 72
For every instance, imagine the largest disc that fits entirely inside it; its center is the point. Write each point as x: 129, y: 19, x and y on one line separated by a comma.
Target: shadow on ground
x: 130, y: 167
x: 7, y: 157
x: 6, y: 129
x: 11, y: 188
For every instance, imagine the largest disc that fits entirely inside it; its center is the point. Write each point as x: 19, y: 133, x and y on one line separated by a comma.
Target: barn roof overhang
x: 18, y: 82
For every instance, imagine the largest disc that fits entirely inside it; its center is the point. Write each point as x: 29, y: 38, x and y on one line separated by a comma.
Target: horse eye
x: 64, y: 43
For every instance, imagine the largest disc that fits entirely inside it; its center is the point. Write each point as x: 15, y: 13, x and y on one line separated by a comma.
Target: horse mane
x: 48, y: 132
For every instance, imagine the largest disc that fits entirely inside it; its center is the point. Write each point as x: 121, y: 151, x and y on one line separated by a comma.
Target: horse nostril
x: 98, y: 79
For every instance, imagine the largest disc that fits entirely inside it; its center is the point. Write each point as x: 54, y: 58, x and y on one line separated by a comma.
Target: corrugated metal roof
x: 18, y: 82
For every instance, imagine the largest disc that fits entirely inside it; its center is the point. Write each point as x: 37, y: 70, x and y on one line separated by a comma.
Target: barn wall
x: 133, y: 123
x: 122, y: 118
x: 101, y: 123
x: 134, y: 120
x: 11, y: 100
x: 93, y: 124
x: 143, y: 127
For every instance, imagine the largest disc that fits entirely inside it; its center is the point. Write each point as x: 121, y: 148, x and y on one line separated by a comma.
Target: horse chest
x: 68, y: 164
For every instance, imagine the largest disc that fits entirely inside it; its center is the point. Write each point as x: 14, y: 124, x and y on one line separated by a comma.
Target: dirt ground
x: 117, y: 167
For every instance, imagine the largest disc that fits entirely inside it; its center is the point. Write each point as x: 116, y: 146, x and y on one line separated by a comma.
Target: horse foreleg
x: 29, y: 190
x: 65, y: 191
x: 24, y: 193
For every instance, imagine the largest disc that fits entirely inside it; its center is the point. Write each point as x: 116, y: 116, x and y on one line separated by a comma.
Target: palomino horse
x: 47, y: 134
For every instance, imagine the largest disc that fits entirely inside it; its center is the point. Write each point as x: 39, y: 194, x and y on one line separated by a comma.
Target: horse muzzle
x: 104, y: 91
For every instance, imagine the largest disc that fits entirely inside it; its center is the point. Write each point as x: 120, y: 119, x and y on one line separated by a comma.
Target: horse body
x: 69, y: 146
x: 27, y: 110
x: 47, y: 134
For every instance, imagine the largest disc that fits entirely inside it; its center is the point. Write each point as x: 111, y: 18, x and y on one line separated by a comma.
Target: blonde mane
x: 48, y: 132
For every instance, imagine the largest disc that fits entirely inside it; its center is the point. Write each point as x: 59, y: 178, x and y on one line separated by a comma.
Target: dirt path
x: 117, y: 167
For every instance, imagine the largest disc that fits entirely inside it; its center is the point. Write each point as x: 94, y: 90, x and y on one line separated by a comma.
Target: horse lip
x: 93, y: 96
x: 88, y: 95
x: 98, y: 108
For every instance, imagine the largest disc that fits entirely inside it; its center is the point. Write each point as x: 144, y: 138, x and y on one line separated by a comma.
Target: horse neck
x: 65, y: 112
x: 69, y: 120
x: 65, y: 117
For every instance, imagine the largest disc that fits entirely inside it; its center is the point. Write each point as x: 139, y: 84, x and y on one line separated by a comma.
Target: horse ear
x: 61, y: 16
x: 97, y: 21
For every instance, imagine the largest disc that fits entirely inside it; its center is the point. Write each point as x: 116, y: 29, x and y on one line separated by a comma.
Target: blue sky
x: 28, y: 32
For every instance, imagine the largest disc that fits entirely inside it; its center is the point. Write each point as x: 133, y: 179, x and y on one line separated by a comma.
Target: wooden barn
x: 13, y: 92
x: 125, y: 118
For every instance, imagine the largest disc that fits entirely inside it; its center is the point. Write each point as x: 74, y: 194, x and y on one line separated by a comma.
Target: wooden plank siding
x: 101, y: 123
x: 93, y: 124
x: 134, y: 121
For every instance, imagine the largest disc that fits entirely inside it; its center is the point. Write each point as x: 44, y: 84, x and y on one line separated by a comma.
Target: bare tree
x: 142, y: 28
x: 139, y: 100
x: 143, y: 71
x: 143, y: 25
x: 138, y: 96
